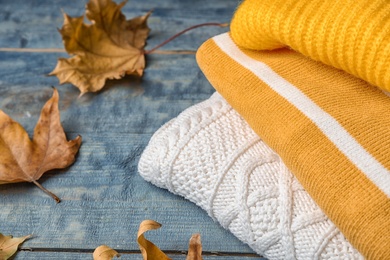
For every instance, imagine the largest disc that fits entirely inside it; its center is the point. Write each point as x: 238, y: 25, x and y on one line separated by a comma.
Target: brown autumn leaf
x: 108, y: 48
x: 9, y: 245
x: 149, y: 250
x: 194, y: 248
x: 104, y: 252
x: 23, y: 160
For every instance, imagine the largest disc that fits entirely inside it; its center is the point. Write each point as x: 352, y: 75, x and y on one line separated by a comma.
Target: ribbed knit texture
x: 353, y: 35
x: 210, y: 155
x: 330, y: 129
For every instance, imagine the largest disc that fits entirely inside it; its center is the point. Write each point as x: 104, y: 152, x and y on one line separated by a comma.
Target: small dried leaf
x: 104, y: 252
x: 149, y: 250
x: 108, y: 48
x: 9, y: 245
x: 23, y: 160
x: 195, y: 248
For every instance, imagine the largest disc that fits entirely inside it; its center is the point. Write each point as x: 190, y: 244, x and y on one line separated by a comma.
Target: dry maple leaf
x: 108, y: 48
x: 104, y: 252
x: 23, y: 160
x: 149, y: 250
x: 9, y: 245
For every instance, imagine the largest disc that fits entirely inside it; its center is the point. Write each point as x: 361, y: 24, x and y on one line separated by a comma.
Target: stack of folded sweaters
x: 292, y: 153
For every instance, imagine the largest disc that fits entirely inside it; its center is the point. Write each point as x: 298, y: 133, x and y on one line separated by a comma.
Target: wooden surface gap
x: 32, y: 50
x: 60, y: 50
x: 131, y: 252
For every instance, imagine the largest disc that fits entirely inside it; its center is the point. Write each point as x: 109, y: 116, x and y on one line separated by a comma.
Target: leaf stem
x: 184, y: 31
x: 57, y: 199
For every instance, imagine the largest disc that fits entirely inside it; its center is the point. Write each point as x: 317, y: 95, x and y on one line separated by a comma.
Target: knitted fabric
x: 330, y: 129
x: 352, y: 35
x: 210, y: 155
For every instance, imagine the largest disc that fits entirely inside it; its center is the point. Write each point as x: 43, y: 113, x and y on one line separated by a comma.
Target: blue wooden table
x: 104, y: 199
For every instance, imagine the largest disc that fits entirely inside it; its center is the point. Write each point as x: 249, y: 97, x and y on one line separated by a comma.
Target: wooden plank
x: 167, y: 79
x: 105, y: 211
x: 104, y: 197
x: 34, y: 24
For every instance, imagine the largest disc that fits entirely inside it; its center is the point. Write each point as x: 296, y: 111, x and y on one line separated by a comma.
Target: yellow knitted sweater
x: 353, y: 35
x: 331, y: 129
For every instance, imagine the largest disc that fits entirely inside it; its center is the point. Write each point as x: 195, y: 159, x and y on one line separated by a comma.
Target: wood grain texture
x: 104, y: 198
x: 34, y: 23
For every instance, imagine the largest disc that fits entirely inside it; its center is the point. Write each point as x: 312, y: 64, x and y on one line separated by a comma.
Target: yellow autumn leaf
x: 149, y: 250
x: 9, y: 245
x: 104, y: 252
x: 194, y: 248
x: 108, y: 48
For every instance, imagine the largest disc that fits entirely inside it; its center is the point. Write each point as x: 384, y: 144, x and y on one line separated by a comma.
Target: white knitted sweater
x: 210, y: 156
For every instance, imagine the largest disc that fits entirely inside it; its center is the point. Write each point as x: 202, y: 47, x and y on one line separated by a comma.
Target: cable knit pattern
x: 352, y: 35
x: 210, y: 156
